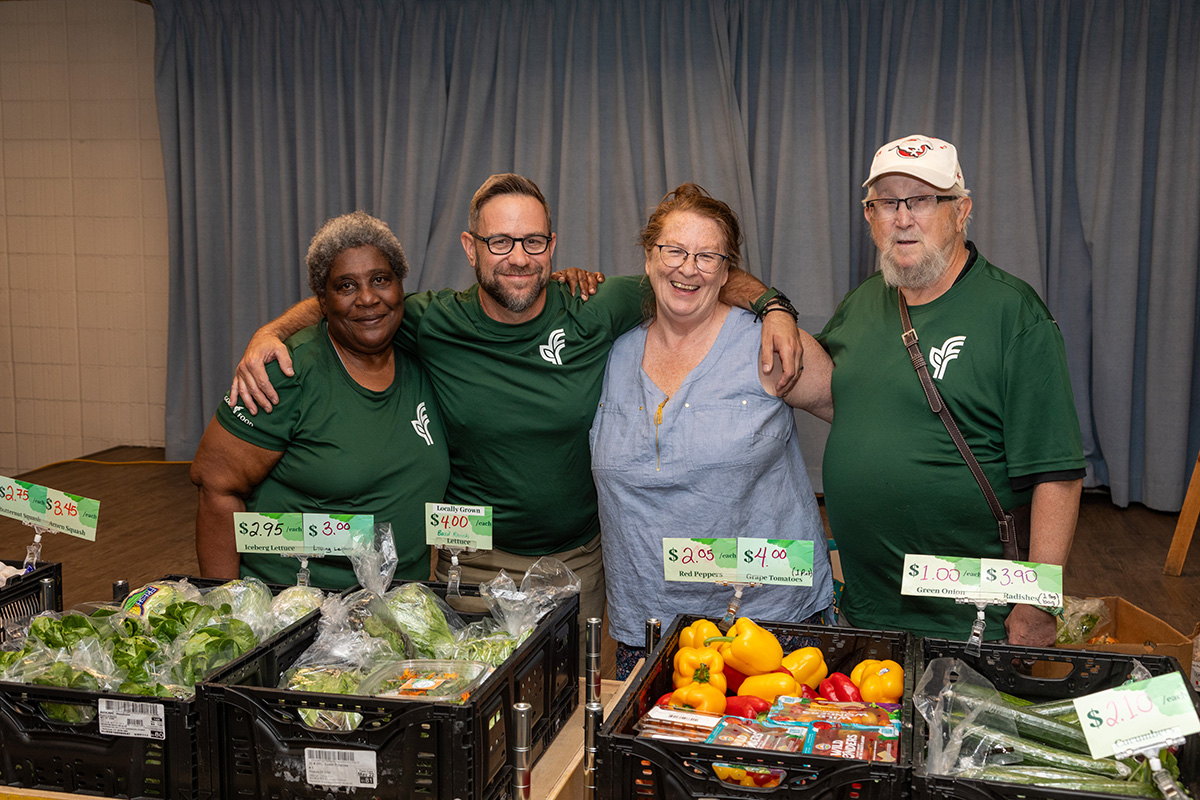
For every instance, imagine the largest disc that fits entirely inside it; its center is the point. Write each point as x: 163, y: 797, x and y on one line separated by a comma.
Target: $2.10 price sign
x: 300, y: 534
x: 458, y: 526
x: 1145, y: 712
x: 49, y: 508
x: 743, y: 559
x: 988, y: 579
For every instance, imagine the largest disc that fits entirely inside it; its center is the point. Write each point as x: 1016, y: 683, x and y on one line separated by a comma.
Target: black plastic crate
x: 1038, y: 674
x: 24, y: 597
x: 629, y: 767
x: 255, y: 740
x: 39, y: 752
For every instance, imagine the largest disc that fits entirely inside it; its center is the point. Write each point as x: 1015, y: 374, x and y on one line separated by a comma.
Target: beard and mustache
x: 510, y: 299
x: 921, y: 275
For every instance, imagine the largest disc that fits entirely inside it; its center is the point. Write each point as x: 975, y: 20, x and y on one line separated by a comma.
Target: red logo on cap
x: 913, y: 151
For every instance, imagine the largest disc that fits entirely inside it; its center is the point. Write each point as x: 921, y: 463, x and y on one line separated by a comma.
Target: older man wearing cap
x: 894, y: 481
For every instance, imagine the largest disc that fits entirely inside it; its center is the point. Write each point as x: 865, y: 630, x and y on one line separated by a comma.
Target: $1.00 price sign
x: 786, y: 561
x: 49, y: 508
x: 700, y: 560
x: 458, y: 526
x: 300, y: 534
x: 1146, y: 712
x: 941, y: 576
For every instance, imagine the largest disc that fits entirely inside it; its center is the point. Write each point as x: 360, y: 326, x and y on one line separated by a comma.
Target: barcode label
x: 132, y: 719
x: 340, y: 767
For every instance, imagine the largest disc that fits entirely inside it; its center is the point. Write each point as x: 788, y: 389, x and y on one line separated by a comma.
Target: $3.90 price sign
x: 743, y: 559
x: 1145, y: 713
x: 49, y: 508
x: 989, y: 579
x: 458, y: 526
x: 300, y: 534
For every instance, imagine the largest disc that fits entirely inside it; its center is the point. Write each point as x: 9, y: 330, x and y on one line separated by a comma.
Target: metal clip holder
x: 735, y: 603
x: 33, y: 552
x: 1149, y: 745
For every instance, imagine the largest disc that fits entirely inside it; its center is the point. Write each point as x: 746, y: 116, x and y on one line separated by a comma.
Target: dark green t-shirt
x: 894, y: 481
x: 346, y: 449
x: 518, y: 402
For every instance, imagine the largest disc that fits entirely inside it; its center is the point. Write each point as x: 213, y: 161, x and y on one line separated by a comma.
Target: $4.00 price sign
x: 744, y: 559
x: 300, y: 534
x: 49, y: 508
x: 458, y: 526
x: 1145, y: 713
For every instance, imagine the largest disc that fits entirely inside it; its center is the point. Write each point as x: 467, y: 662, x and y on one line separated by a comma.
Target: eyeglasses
x: 501, y: 245
x: 675, y: 257
x: 920, y: 205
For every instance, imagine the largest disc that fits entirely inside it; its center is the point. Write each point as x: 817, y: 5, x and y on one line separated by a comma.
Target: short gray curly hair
x: 356, y: 229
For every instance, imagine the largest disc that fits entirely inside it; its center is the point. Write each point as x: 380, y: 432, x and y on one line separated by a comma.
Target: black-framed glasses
x: 675, y: 257
x: 501, y: 244
x: 919, y: 205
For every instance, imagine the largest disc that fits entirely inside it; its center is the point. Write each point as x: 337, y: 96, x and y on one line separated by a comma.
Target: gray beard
x: 923, y: 274
x: 516, y: 302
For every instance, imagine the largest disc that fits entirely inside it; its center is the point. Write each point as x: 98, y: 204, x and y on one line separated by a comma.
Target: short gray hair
x: 339, y: 234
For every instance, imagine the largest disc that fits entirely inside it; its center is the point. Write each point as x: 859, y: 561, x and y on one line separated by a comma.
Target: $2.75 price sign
x: 49, y: 508
x: 458, y: 526
x: 301, y: 534
x: 1145, y: 713
x: 989, y: 579
x: 743, y: 559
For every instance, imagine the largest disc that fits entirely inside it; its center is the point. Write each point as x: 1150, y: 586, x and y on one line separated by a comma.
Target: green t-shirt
x: 518, y: 402
x: 894, y: 481
x: 346, y: 449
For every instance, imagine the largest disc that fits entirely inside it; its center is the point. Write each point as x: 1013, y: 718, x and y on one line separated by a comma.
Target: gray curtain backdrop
x: 1077, y: 124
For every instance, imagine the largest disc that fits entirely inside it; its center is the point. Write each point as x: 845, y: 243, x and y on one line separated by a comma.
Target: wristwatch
x: 779, y: 302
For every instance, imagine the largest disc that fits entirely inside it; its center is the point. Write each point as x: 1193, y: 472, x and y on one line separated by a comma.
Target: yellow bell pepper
x: 695, y: 634
x: 700, y: 696
x: 699, y: 665
x: 750, y: 649
x: 769, y: 686
x: 879, y: 681
x: 807, y: 666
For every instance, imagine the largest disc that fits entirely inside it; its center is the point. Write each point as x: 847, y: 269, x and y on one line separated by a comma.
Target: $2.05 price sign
x: 300, y: 534
x: 458, y: 526
x: 988, y: 579
x: 49, y: 508
x: 742, y: 559
x: 1146, y: 712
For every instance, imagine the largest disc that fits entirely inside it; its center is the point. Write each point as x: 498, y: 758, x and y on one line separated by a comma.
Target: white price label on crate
x: 351, y: 768
x: 132, y: 719
x: 1144, y: 712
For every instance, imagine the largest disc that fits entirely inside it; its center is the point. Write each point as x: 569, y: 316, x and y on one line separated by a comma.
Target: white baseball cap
x: 922, y: 157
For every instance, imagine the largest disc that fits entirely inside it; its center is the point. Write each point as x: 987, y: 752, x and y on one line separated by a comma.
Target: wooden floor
x: 147, y: 514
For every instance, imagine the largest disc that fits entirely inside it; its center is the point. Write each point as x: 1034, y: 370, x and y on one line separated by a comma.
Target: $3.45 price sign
x: 458, y: 526
x: 1141, y: 713
x: 300, y: 534
x: 988, y: 579
x: 49, y: 508
x: 743, y: 559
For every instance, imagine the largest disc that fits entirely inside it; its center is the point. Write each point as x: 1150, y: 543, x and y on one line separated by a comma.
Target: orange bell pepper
x: 695, y: 634
x: 699, y: 665
x: 701, y: 697
x: 769, y: 686
x: 750, y: 649
x: 807, y: 666
x: 879, y: 681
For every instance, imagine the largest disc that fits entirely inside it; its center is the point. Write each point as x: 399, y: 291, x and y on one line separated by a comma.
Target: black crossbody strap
x: 938, y: 407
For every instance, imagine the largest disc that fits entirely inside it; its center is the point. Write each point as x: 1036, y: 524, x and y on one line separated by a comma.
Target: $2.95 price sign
x: 49, y: 508
x: 458, y: 526
x: 744, y: 559
x: 1145, y: 712
x: 990, y: 579
x: 301, y: 534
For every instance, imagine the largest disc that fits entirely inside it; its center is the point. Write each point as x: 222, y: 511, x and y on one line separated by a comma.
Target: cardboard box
x: 559, y: 773
x: 1138, y: 632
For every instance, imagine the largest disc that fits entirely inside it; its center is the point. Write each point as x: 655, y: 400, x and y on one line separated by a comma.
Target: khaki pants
x: 481, y: 566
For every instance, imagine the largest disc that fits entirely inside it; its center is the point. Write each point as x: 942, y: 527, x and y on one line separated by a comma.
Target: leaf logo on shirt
x: 552, y: 350
x: 940, y: 357
x: 421, y: 425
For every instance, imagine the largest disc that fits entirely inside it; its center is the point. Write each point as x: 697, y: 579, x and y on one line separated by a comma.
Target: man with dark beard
x: 517, y: 364
x: 894, y: 481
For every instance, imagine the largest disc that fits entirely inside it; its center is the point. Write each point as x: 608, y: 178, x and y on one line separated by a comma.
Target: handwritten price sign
x: 335, y: 534
x: 1022, y: 581
x: 743, y: 559
x: 700, y: 560
x: 458, y: 526
x: 1142, y: 713
x: 300, y: 534
x: 49, y: 508
x: 988, y: 579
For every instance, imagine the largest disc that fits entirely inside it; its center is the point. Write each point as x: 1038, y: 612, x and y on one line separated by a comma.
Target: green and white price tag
x: 336, y: 534
x: 783, y: 561
x: 1137, y: 714
x: 268, y: 533
x: 49, y: 508
x: 700, y: 560
x: 15, y: 501
x: 1022, y: 581
x: 942, y: 576
x: 458, y: 526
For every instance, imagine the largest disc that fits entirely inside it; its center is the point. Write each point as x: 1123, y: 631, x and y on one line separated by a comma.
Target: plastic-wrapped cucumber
x: 1029, y: 725
x: 1061, y: 779
x: 1037, y: 754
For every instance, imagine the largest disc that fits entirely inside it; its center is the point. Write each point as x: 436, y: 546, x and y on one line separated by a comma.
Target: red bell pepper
x: 805, y: 691
x: 665, y: 700
x: 733, y: 679
x: 748, y: 706
x: 838, y: 686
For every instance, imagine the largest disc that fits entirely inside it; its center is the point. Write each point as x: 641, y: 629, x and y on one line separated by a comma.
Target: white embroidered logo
x: 940, y: 357
x: 237, y: 412
x: 552, y: 350
x: 421, y: 425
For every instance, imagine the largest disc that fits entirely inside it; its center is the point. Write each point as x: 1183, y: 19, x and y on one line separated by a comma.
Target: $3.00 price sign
x: 49, y: 508
x: 458, y: 526
x: 300, y: 534
x: 1146, y: 712
x: 743, y: 559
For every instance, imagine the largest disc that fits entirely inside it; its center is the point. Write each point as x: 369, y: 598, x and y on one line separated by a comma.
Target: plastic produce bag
x: 955, y: 743
x: 292, y: 604
x: 335, y: 663
x: 426, y: 618
x: 1081, y: 618
x: 484, y: 640
x: 248, y: 599
x: 547, y: 583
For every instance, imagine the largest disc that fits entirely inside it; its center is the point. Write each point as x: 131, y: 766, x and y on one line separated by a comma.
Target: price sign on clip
x: 335, y: 534
x: 458, y: 526
x: 1022, y: 581
x: 941, y: 576
x: 700, y: 560
x: 783, y: 561
x: 15, y: 501
x: 1142, y: 713
x: 49, y: 508
x: 268, y: 533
